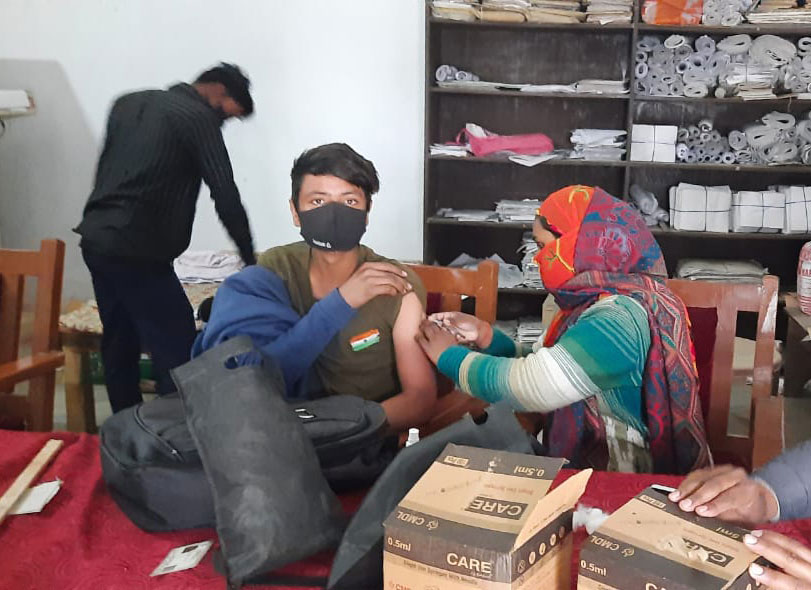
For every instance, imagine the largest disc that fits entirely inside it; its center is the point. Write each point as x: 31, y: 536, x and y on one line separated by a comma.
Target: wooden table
x: 797, y: 353
x: 81, y: 333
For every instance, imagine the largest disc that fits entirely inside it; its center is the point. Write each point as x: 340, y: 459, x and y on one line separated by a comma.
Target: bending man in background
x: 160, y: 144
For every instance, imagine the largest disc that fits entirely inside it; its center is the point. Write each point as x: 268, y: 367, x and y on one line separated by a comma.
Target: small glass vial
x: 413, y: 436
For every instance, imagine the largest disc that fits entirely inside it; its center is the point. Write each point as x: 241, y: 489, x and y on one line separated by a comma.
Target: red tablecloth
x: 82, y: 541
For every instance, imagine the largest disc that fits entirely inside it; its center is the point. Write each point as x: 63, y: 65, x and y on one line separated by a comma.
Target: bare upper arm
x: 413, y: 368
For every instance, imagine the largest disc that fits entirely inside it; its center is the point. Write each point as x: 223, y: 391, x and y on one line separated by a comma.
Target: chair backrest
x: 450, y: 284
x: 46, y: 265
x: 728, y: 299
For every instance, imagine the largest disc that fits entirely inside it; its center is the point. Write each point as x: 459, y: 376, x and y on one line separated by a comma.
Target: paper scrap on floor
x: 36, y: 498
x: 182, y: 558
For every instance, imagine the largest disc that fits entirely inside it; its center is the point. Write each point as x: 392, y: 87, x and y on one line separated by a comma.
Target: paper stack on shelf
x: 509, y: 210
x: 468, y: 214
x: 758, y: 211
x: 727, y: 271
x: 598, y: 144
x: 509, y: 327
x: 798, y: 209
x: 461, y: 10
x: 530, y: 330
x: 700, y: 208
x: 555, y: 11
x: 780, y: 12
x: 653, y: 143
x: 504, y: 11
x: 532, y: 275
x: 601, y: 87
x: 509, y: 275
x: 608, y: 11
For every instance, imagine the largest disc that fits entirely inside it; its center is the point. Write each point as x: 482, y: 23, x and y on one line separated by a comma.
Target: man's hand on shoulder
x: 373, y: 279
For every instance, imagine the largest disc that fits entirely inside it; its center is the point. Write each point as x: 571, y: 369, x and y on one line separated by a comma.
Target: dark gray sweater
x: 789, y: 476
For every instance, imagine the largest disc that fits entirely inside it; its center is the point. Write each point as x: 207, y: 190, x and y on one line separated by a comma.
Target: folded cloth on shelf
x: 733, y: 271
x: 758, y: 211
x: 203, y: 266
x: 798, y: 209
x: 653, y: 143
x: 700, y: 208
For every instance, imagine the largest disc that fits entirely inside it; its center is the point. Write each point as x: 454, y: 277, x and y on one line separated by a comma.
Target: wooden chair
x: 765, y: 439
x: 34, y: 411
x: 450, y: 284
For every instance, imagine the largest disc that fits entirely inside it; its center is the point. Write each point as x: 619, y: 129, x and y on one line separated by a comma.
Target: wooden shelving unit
x: 563, y: 54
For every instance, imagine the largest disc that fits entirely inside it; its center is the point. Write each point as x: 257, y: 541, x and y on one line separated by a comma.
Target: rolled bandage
x: 731, y: 19
x: 696, y: 76
x: 675, y: 41
x: 735, y: 44
x: 804, y: 45
x: 717, y: 63
x: 727, y: 158
x: 668, y: 79
x: 691, y: 158
x: 781, y: 121
x: 737, y: 140
x: 641, y: 70
x: 694, y: 132
x: 682, y: 151
x: 696, y: 90
x: 770, y: 50
x: 648, y: 43
x: 682, y: 52
x: 781, y: 152
x: 698, y: 60
x: 682, y: 135
x: 720, y: 92
x: 705, y: 45
x: 704, y: 137
x: 684, y: 66
x: 445, y: 72
x: 804, y: 131
x: 677, y: 88
x: 761, y: 136
x: 715, y: 136
x: 641, y: 56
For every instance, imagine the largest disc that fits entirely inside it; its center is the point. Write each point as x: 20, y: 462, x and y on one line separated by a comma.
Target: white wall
x: 322, y: 71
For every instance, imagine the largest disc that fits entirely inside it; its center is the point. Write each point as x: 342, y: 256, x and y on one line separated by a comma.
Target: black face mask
x: 333, y: 227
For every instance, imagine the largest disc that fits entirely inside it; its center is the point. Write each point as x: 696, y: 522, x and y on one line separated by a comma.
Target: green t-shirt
x: 360, y: 359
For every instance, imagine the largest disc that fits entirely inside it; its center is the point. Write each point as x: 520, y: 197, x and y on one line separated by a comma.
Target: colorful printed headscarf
x: 604, y: 249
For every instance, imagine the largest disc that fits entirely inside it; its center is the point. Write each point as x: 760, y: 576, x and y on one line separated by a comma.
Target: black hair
x: 237, y: 84
x: 336, y: 159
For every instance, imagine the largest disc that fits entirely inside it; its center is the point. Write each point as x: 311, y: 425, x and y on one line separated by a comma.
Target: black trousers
x: 142, y: 307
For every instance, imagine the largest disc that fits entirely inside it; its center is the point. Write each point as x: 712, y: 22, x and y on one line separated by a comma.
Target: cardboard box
x: 482, y: 519
x: 649, y: 544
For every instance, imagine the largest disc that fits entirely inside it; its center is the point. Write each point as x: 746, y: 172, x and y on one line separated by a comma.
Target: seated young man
x: 338, y: 318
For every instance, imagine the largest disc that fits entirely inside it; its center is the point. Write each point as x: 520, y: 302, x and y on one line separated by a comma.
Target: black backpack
x: 154, y: 473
